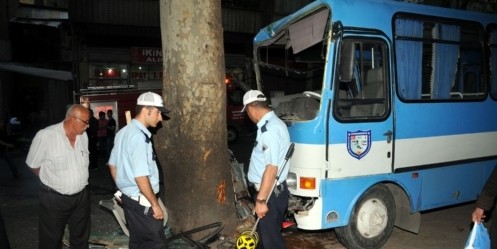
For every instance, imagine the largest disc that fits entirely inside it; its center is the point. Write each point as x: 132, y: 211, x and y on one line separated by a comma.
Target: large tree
x: 192, y: 145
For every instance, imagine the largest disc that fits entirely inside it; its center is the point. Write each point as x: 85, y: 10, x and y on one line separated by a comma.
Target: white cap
x: 152, y: 99
x: 252, y: 96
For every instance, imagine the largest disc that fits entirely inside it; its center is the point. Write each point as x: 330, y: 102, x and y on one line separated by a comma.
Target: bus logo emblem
x: 358, y: 143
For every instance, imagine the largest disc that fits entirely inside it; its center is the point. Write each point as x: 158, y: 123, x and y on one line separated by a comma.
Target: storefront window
x: 146, y: 76
x: 106, y: 76
x: 145, y: 72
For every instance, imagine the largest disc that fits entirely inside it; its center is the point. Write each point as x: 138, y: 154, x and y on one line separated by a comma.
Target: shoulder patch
x: 264, y: 128
x: 147, y: 139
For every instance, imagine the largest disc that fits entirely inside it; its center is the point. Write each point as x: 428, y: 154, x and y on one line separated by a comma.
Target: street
x: 446, y: 228
x: 443, y: 228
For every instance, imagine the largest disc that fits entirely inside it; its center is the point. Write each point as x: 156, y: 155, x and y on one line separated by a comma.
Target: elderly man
x: 59, y: 156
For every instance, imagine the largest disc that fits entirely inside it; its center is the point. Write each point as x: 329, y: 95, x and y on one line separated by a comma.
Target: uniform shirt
x: 62, y: 167
x: 271, y: 145
x: 133, y: 156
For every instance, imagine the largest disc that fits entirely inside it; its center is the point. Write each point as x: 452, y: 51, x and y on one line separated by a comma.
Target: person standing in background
x: 111, y: 130
x: 59, y: 156
x: 5, y: 148
x: 102, y: 133
x: 93, y: 140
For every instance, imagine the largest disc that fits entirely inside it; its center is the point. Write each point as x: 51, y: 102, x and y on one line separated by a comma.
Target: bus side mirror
x: 346, y: 63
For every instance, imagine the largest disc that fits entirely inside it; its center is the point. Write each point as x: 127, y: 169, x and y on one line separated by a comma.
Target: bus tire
x: 371, y: 222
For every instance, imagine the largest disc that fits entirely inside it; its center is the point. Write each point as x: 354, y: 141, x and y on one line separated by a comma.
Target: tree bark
x: 192, y: 145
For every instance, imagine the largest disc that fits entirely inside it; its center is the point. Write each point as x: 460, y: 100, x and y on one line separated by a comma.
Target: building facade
x: 57, y: 52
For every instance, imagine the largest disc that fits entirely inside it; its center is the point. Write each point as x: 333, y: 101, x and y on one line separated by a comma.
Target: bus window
x: 293, y: 81
x: 364, y: 95
x: 439, y: 60
x: 492, y: 36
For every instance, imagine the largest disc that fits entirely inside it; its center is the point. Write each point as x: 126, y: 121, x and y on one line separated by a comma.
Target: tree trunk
x: 192, y: 145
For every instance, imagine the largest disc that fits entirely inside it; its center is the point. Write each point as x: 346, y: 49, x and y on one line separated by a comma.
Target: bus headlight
x: 291, y: 180
x: 307, y: 183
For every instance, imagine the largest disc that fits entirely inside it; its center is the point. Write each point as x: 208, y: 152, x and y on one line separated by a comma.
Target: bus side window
x: 492, y: 44
x: 365, y: 95
x: 372, y: 89
x: 439, y: 60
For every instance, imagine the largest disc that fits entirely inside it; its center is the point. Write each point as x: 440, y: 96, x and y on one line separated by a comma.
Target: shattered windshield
x: 291, y: 68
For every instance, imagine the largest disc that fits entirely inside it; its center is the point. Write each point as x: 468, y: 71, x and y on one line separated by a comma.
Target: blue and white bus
x: 392, y: 108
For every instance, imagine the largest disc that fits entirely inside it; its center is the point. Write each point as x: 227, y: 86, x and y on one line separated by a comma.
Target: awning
x: 40, y: 16
x: 53, y: 24
x: 35, y: 12
x: 36, y: 71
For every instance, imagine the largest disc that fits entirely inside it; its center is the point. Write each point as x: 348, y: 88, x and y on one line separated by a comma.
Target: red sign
x: 146, y: 55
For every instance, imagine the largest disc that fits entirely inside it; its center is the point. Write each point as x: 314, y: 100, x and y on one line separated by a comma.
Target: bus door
x: 361, y: 130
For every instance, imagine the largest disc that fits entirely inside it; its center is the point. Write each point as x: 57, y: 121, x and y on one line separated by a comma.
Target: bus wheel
x: 371, y: 221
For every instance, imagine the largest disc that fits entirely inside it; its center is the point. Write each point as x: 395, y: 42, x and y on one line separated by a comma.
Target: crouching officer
x: 270, y: 148
x: 134, y: 169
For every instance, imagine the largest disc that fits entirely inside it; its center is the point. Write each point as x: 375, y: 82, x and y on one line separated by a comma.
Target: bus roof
x: 369, y: 14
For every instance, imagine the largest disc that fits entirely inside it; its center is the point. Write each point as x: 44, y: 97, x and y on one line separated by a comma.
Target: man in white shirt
x: 59, y: 156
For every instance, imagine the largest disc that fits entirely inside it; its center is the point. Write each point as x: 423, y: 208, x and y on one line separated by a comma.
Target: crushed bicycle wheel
x: 185, y: 239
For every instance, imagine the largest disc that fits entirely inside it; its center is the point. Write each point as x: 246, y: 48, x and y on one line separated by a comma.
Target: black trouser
x: 144, y: 230
x: 269, y: 227
x: 93, y: 149
x: 12, y: 165
x: 4, y: 240
x: 57, y: 210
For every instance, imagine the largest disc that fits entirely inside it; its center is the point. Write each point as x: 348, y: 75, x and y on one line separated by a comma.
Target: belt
x: 254, y: 185
x: 257, y: 186
x: 53, y: 191
x: 141, y: 199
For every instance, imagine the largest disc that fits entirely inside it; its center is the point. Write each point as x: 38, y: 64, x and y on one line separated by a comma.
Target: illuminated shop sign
x: 146, y: 55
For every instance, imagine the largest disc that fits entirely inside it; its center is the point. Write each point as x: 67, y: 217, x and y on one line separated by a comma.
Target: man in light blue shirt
x: 271, y: 146
x: 134, y: 169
